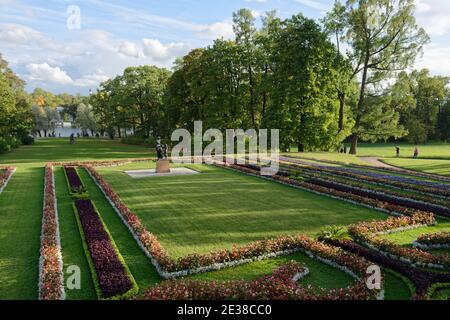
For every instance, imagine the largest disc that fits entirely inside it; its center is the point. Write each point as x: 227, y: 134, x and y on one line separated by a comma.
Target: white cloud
x: 91, y: 80
x: 315, y: 4
x: 48, y: 74
x: 130, y: 49
x: 434, y: 16
x: 215, y: 30
x: 154, y: 49
x: 44, y: 72
x: 13, y: 33
x: 435, y: 59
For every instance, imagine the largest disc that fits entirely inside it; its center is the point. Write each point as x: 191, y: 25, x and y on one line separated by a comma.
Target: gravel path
x: 379, y: 164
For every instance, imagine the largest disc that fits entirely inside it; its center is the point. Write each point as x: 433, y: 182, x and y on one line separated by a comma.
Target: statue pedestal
x: 163, y: 166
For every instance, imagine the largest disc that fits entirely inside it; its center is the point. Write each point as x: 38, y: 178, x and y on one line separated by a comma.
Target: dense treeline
x: 15, y: 115
x: 288, y: 74
x: 321, y: 83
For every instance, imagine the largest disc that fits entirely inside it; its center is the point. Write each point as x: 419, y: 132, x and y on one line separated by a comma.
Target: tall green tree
x: 302, y: 96
x: 383, y: 38
x: 423, y: 97
x: 245, y: 31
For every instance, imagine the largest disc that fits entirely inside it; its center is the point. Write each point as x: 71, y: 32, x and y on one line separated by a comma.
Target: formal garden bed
x: 169, y: 267
x: 431, y: 241
x: 76, y: 187
x: 223, y: 258
x: 434, y: 188
x: 111, y: 276
x: 348, y: 259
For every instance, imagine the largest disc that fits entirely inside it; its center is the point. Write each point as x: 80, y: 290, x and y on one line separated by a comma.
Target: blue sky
x: 35, y: 39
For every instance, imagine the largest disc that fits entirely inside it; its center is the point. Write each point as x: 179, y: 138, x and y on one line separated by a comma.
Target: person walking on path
x: 416, y: 152
x: 72, y: 138
x: 397, y: 151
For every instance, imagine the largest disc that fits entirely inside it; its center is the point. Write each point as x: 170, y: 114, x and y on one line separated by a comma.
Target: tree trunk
x: 119, y: 132
x: 301, y: 147
x: 341, y: 96
x: 354, y: 147
x: 252, y: 102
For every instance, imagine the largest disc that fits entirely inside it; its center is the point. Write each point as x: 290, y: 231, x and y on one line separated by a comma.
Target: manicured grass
x: 20, y: 227
x: 441, y: 167
x: 396, y: 287
x: 406, y: 238
x: 84, y: 149
x: 321, y: 275
x: 21, y: 207
x: 443, y: 294
x: 387, y: 150
x: 220, y: 208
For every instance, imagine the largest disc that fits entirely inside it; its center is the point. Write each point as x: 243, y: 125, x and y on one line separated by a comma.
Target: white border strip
x: 7, y: 180
x: 427, y: 247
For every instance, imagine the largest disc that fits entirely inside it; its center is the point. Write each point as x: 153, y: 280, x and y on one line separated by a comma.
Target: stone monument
x: 163, y: 163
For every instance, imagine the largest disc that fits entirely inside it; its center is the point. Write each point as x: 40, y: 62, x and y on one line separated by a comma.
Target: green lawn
x: 21, y: 206
x: 441, y: 167
x: 84, y: 149
x: 220, y: 208
x: 406, y: 238
x: 20, y: 226
x: 387, y: 150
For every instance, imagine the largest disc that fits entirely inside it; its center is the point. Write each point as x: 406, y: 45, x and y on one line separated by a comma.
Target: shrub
x: 27, y: 140
x: 4, y: 146
x: 112, y: 277
x: 334, y: 233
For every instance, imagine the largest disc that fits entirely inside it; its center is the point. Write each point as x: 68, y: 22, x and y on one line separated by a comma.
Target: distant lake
x: 66, y: 132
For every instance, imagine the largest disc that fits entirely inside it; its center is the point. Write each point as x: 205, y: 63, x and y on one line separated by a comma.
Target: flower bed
x: 5, y: 176
x: 168, y: 267
x: 435, y: 204
x: 112, y: 278
x: 102, y: 163
x: 51, y: 277
x: 281, y: 285
x: 77, y: 189
x: 401, y: 201
x: 440, y: 240
x: 423, y: 280
x: 367, y: 233
x: 427, y: 187
x: 367, y: 167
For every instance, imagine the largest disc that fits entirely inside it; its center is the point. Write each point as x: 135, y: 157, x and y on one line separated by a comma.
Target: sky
x: 73, y: 46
